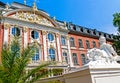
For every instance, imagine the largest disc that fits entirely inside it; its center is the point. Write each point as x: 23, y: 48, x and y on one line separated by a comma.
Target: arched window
x: 65, y: 58
x: 75, y: 60
x: 72, y: 44
x: 83, y: 59
x: 87, y: 44
x: 63, y: 40
x: 36, y: 56
x: 80, y: 43
x: 52, y: 54
x: 50, y: 37
x: 34, y: 34
x: 16, y: 31
x: 94, y: 44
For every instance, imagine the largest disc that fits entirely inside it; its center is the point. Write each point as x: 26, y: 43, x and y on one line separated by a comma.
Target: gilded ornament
x: 6, y: 25
x: 67, y: 37
x: 32, y: 17
x: 51, y: 46
x: 57, y: 34
x: 25, y: 28
x: 44, y: 32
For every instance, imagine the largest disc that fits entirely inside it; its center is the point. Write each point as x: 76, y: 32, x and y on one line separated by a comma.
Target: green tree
x: 116, y: 23
x: 15, y: 61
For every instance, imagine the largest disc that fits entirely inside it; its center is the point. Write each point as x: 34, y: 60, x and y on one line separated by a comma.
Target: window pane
x: 52, y: 54
x: 87, y: 44
x: 94, y: 44
x: 65, y: 57
x: 16, y: 31
x: 75, y: 60
x: 72, y: 42
x: 63, y: 40
x: 50, y: 37
x: 80, y: 43
x: 34, y: 34
x: 36, y: 56
x: 83, y: 59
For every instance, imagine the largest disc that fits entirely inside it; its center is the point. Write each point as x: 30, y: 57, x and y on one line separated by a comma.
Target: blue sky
x: 95, y: 14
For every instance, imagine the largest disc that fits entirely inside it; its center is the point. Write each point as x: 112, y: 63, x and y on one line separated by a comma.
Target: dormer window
x: 81, y: 29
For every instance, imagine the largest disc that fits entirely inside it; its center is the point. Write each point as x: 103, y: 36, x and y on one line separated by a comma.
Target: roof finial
x: 34, y: 6
x: 54, y: 18
x: 24, y: 2
x: 7, y: 6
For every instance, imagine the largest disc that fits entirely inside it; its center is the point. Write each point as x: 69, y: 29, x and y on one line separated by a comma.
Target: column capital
x: 67, y: 37
x: 6, y: 25
x: 57, y: 34
x: 25, y: 28
x: 44, y: 32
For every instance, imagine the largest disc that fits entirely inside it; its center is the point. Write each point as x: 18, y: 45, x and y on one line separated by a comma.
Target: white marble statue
x: 105, y: 55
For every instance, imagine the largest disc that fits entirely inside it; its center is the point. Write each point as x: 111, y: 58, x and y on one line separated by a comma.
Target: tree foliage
x: 15, y: 61
x: 116, y: 23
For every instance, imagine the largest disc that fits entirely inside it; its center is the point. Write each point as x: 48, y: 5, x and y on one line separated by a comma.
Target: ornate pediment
x: 32, y: 17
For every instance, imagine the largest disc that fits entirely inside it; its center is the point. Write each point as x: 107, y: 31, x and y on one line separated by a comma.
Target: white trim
x: 69, y: 54
x: 6, y: 36
x: 59, y: 52
x: 45, y: 47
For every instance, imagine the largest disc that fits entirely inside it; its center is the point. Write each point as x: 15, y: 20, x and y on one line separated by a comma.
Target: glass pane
x: 52, y: 54
x: 36, y: 56
x: 34, y: 34
x: 50, y: 37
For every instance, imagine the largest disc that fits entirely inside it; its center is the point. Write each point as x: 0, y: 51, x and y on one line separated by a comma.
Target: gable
x: 32, y: 16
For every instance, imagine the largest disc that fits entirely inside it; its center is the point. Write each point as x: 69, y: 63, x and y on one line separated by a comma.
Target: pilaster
x: 58, y: 47
x: 69, y: 52
x: 44, y: 45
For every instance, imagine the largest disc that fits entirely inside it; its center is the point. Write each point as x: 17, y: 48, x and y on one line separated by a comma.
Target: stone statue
x: 105, y: 55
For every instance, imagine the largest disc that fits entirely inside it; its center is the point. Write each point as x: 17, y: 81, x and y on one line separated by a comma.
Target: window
x: 75, y: 61
x: 52, y: 54
x: 63, y: 40
x: 80, y: 43
x: 72, y: 44
x: 34, y: 34
x: 87, y: 44
x: 36, y: 56
x: 50, y: 37
x: 16, y: 31
x: 83, y: 59
x: 65, y: 57
x: 94, y: 44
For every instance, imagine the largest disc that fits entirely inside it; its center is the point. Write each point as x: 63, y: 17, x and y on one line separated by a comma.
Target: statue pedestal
x: 95, y: 74
x: 90, y: 74
x: 105, y: 73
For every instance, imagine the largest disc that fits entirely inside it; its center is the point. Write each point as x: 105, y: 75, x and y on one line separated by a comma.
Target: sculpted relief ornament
x: 32, y: 17
x: 105, y: 55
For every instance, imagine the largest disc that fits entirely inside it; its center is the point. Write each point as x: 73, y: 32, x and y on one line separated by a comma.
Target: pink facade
x: 56, y: 41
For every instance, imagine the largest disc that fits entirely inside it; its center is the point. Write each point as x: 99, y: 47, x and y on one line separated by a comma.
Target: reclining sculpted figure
x: 105, y: 55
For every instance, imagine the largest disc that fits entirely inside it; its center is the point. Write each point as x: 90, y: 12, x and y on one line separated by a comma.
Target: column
x: 58, y: 47
x: 69, y: 52
x: 25, y: 31
x: 1, y: 38
x: 44, y: 45
x: 6, y: 33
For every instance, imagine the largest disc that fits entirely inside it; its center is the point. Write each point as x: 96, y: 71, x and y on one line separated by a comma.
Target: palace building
x: 59, y: 41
